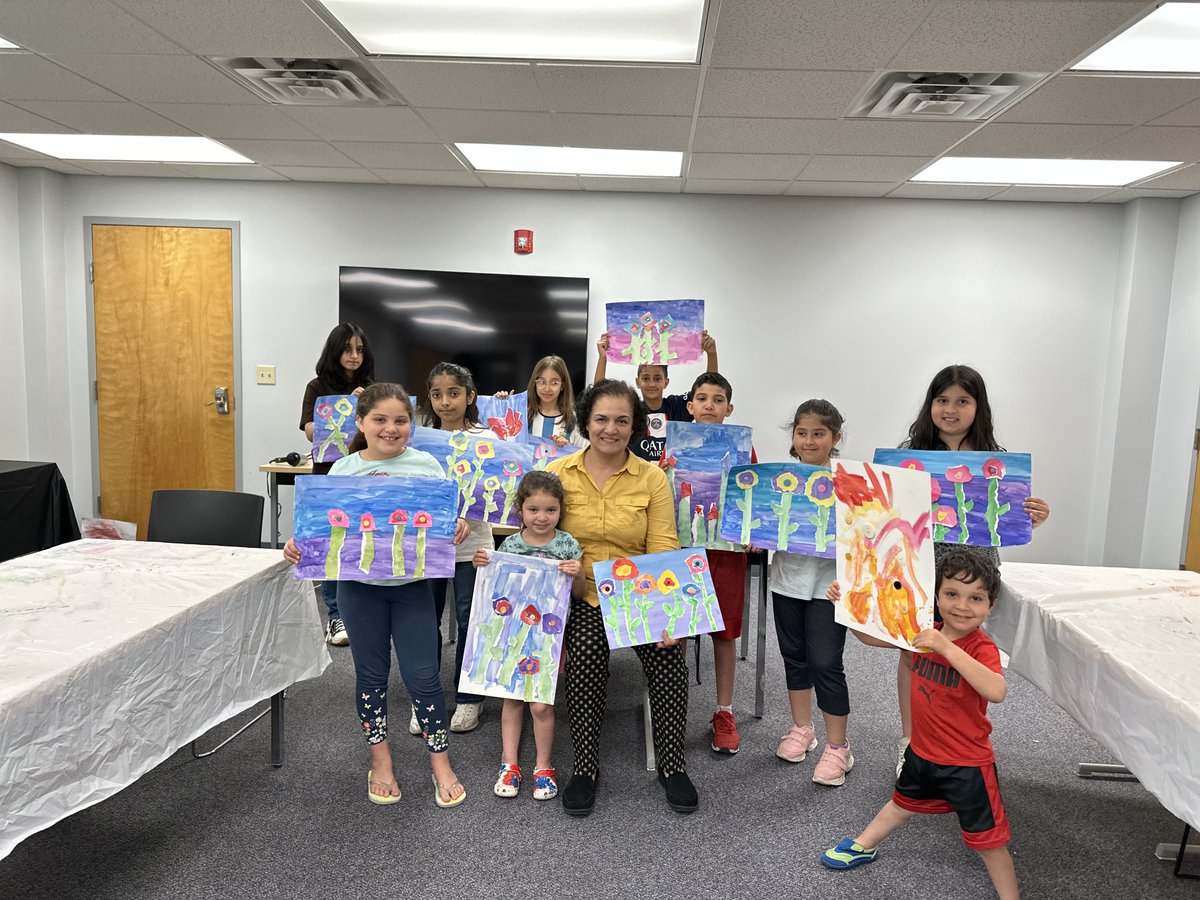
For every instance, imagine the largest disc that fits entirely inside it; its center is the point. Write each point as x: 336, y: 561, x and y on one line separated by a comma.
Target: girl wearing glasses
x: 552, y: 403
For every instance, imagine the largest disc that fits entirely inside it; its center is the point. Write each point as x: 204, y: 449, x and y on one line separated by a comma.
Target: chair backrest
x: 221, y: 518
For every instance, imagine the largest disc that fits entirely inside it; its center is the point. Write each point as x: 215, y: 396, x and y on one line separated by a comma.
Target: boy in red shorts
x: 950, y: 765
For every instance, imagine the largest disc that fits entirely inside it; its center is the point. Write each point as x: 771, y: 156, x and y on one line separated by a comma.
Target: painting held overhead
x: 696, y: 458
x: 976, y: 498
x: 643, y: 596
x: 515, y: 638
x: 884, y: 551
x: 658, y: 332
x: 367, y: 528
x: 781, y: 506
x: 334, y: 426
x: 506, y: 418
x: 486, y: 471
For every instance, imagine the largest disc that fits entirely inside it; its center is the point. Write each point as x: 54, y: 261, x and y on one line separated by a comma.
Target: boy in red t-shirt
x: 950, y: 765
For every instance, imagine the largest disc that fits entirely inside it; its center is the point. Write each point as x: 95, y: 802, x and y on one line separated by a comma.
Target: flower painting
x: 643, y: 596
x: 364, y: 528
x: 545, y: 451
x: 884, y: 551
x: 486, y: 471
x: 780, y: 506
x: 697, y: 459
x: 662, y: 332
x: 515, y: 638
x: 334, y: 426
x: 976, y: 498
x: 505, y: 418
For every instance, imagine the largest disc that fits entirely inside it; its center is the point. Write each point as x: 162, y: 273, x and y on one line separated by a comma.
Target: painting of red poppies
x: 641, y: 597
x: 515, y: 638
x: 780, y: 506
x: 697, y: 459
x: 976, y: 498
x: 367, y: 528
x: 334, y: 426
x: 505, y: 417
x: 884, y: 551
x: 486, y: 471
x: 661, y: 332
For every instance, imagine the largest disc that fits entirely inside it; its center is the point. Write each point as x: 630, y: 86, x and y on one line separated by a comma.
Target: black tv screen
x: 497, y: 326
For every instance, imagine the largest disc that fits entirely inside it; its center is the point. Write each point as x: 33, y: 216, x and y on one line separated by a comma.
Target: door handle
x: 221, y: 400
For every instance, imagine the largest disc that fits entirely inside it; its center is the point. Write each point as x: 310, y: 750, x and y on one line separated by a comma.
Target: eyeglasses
x: 542, y: 382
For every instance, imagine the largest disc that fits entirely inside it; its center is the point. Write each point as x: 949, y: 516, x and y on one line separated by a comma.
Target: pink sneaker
x: 796, y: 743
x: 835, y: 763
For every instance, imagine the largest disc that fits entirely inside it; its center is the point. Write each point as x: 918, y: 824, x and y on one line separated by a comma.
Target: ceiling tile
x: 540, y: 182
x: 229, y: 172
x: 872, y: 138
x: 54, y: 165
x: 1035, y: 141
x: 1186, y: 179
x: 633, y: 185
x: 758, y: 166
x: 777, y: 93
x: 376, y: 123
x: 1010, y: 35
x: 380, y: 155
x: 733, y: 186
x: 260, y: 121
x: 863, y: 168
x: 919, y: 191
x: 1077, y: 99
x: 1124, y: 195
x: 162, y: 79
x: 328, y: 173
x: 461, y: 178
x: 95, y: 25
x: 24, y: 76
x: 624, y: 132
x: 104, y: 118
x: 133, y: 169
x: 1188, y: 114
x: 493, y: 127
x: 15, y: 120
x: 840, y: 188
x: 13, y: 152
x: 290, y: 153
x: 631, y: 90
x: 463, y: 85
x: 1051, y: 194
x: 241, y: 27
x: 727, y: 135
x: 1151, y: 142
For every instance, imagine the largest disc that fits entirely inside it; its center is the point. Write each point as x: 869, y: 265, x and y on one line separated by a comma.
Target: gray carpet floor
x: 232, y: 827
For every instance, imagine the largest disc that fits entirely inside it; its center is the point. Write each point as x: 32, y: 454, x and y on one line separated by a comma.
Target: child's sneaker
x: 544, y: 785
x: 724, y: 733
x: 835, y: 763
x: 508, y: 782
x: 847, y: 855
x: 796, y: 743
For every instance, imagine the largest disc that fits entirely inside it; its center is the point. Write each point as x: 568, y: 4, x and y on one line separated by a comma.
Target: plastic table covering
x: 1118, y: 649
x: 116, y: 654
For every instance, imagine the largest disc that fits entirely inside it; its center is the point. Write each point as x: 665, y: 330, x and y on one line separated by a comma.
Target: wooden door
x: 1192, y: 556
x: 164, y: 340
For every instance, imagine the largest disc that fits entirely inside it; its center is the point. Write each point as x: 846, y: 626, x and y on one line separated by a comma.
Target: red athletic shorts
x: 971, y: 791
x: 728, y: 569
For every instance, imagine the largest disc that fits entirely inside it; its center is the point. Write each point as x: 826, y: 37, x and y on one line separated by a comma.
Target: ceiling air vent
x: 310, y: 82
x: 942, y: 96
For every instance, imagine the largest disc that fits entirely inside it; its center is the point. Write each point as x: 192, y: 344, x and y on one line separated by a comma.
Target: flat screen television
x: 496, y: 325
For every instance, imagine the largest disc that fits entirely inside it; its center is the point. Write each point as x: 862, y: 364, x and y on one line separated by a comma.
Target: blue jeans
x: 329, y: 591
x: 464, y: 588
x: 811, y: 644
x: 376, y: 617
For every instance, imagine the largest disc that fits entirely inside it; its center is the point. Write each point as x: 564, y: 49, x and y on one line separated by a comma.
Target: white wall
x: 860, y: 301
x: 14, y: 437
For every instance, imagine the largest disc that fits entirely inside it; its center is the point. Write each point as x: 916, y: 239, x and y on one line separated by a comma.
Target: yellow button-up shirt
x: 632, y: 515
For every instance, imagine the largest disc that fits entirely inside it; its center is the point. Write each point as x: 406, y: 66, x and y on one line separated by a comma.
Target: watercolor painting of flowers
x: 977, y: 498
x: 781, y: 506
x: 662, y: 332
x: 486, y: 471
x: 334, y: 426
x: 515, y: 636
x: 643, y: 596
x: 506, y: 418
x: 697, y: 459
x: 365, y: 528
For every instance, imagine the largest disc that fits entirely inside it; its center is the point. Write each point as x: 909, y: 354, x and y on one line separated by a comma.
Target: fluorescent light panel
x: 1069, y: 172
x: 572, y: 160
x: 128, y: 147
x: 662, y: 31
x: 6, y: 44
x: 1167, y: 40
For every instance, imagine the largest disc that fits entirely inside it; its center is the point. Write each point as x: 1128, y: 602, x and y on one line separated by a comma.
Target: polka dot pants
x: 587, y: 691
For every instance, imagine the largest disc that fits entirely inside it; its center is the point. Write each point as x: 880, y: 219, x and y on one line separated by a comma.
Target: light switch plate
x: 266, y: 374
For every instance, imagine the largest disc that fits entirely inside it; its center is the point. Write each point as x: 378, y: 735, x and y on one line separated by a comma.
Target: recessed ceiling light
x: 572, y: 160
x: 665, y: 31
x: 1074, y: 172
x: 1167, y: 40
x: 6, y: 44
x: 128, y: 147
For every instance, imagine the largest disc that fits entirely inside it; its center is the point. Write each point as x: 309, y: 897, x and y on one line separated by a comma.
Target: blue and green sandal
x: 847, y: 855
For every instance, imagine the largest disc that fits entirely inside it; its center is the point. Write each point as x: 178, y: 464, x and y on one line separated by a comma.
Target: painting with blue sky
x: 662, y: 332
x: 697, y: 459
x: 334, y: 426
x: 506, y: 418
x: 486, y: 471
x: 780, y: 506
x: 367, y: 528
x: 641, y: 597
x: 545, y: 451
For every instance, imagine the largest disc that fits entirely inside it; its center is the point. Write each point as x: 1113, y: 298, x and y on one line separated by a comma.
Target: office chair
x: 220, y: 518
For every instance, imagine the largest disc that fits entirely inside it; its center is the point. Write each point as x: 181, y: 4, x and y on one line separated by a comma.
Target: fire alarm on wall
x: 522, y: 241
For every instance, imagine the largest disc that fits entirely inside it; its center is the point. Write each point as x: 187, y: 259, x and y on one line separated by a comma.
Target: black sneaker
x: 335, y: 633
x: 579, y: 797
x: 681, y: 793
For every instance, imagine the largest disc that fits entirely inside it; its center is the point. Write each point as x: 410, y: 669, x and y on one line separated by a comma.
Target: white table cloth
x: 115, y: 654
x: 1118, y: 649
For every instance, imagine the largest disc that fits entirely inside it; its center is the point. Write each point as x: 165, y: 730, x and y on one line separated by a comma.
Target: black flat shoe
x: 681, y: 793
x: 579, y: 796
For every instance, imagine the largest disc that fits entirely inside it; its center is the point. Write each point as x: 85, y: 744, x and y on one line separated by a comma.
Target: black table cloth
x: 35, y: 508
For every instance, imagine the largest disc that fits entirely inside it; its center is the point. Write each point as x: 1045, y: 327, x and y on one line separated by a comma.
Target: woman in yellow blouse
x: 618, y: 505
